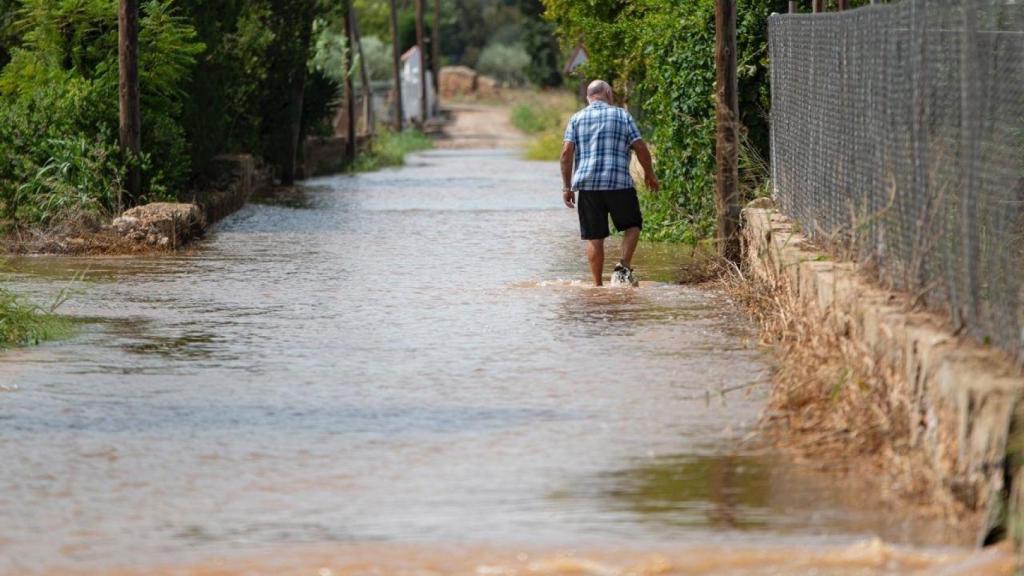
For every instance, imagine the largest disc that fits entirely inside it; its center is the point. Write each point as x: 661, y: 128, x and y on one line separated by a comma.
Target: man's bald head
x: 599, y: 90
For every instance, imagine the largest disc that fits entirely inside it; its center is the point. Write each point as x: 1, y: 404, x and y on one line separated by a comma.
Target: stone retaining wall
x: 234, y: 179
x: 962, y: 397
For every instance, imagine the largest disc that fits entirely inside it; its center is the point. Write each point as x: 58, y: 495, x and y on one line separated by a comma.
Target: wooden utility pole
x: 793, y: 7
x: 817, y: 5
x: 423, y: 61
x: 843, y: 4
x: 435, y: 52
x: 364, y: 77
x: 396, y: 53
x: 130, y: 116
x: 350, y: 95
x: 727, y: 120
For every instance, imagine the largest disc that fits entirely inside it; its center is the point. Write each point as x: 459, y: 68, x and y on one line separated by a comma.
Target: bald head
x: 599, y: 90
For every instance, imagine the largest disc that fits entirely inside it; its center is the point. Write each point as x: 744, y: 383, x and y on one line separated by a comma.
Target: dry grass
x: 833, y: 403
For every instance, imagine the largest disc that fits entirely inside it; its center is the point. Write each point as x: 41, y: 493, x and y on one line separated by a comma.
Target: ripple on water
x: 410, y: 355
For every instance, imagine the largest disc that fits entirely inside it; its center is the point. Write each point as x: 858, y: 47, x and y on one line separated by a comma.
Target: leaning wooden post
x: 130, y: 116
x: 423, y: 62
x: 364, y: 76
x: 350, y: 95
x: 435, y: 52
x: 396, y: 54
x: 727, y: 120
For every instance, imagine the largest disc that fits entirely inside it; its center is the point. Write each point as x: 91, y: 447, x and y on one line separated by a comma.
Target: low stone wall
x: 961, y: 396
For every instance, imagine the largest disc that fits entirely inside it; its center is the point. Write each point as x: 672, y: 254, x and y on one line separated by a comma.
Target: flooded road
x: 403, y: 373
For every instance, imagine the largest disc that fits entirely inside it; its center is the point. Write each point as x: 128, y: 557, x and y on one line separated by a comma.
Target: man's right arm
x: 643, y: 155
x: 568, y: 150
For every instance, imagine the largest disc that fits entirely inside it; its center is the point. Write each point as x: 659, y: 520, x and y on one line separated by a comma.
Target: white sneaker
x: 624, y: 276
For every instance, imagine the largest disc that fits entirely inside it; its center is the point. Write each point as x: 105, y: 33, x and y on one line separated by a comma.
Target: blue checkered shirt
x: 602, y: 136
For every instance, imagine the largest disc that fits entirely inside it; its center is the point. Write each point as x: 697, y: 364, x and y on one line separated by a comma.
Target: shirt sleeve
x: 632, y: 132
x: 570, y: 131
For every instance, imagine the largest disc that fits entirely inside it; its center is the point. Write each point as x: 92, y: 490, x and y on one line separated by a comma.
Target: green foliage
x: 58, y: 107
x: 659, y: 55
x: 378, y: 58
x: 532, y: 119
x: 389, y: 149
x: 505, y: 62
x: 23, y: 324
x: 546, y: 147
x: 223, y: 111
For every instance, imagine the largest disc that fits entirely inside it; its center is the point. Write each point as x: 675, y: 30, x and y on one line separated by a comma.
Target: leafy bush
x: 58, y: 108
x: 505, y: 62
x: 659, y: 54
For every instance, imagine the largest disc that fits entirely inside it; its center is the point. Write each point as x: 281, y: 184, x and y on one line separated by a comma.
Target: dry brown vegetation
x: 832, y: 403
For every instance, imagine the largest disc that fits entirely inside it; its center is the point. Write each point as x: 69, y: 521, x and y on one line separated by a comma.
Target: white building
x: 411, y: 62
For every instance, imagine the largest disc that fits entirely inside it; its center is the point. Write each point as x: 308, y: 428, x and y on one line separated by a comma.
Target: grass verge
x: 389, y: 149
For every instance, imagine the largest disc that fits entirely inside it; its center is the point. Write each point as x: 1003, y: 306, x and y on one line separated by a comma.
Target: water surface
x: 404, y: 358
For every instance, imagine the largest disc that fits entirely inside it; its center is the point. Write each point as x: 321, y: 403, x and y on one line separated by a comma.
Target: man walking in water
x: 597, y: 142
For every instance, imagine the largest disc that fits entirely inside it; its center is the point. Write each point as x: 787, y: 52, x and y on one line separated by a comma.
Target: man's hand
x: 569, y: 197
x: 643, y: 155
x: 652, y: 182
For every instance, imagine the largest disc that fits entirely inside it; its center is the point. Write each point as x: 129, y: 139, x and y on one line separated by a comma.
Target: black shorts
x: 594, y: 207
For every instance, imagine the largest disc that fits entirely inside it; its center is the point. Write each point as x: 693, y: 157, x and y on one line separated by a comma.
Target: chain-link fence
x: 898, y: 136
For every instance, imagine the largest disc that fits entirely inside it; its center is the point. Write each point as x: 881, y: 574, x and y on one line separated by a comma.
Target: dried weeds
x: 833, y: 403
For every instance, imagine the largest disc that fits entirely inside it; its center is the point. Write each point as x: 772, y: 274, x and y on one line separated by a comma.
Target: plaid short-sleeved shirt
x: 602, y: 136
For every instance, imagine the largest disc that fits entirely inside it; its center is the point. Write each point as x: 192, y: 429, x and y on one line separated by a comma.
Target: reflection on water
x: 406, y: 356
x: 723, y: 491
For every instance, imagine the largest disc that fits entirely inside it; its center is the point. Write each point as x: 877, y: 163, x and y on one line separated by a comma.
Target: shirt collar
x: 598, y: 103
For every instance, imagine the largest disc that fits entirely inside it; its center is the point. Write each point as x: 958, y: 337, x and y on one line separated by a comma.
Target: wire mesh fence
x: 898, y: 137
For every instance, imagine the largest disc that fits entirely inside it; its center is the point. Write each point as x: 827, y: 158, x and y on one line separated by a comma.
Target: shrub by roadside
x: 389, y: 149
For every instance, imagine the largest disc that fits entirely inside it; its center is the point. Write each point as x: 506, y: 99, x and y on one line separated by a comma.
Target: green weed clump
x: 24, y: 324
x: 546, y: 147
x: 533, y: 119
x: 389, y: 149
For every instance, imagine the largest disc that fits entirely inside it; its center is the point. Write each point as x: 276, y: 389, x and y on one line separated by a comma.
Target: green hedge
x: 659, y: 57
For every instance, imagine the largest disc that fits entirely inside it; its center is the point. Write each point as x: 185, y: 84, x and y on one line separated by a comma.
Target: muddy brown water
x: 403, y: 373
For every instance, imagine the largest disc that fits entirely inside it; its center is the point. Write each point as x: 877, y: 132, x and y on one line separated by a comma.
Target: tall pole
x: 130, y: 117
x: 843, y: 4
x: 364, y: 76
x: 817, y: 5
x: 727, y: 120
x: 396, y: 53
x: 435, y: 51
x: 423, y: 61
x: 350, y: 95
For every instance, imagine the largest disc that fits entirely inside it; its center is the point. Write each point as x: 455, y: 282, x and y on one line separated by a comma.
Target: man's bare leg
x: 595, y: 255
x: 629, y: 240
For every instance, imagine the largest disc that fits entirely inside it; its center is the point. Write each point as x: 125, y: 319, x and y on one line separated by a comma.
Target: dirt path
x: 479, y: 126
